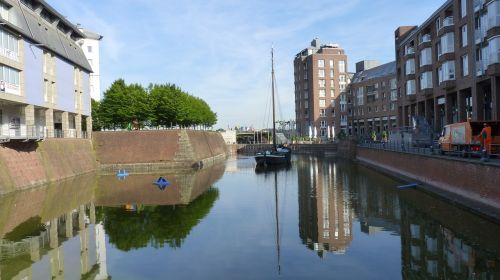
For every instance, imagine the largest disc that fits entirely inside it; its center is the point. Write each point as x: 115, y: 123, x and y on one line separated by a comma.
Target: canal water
x: 320, y: 218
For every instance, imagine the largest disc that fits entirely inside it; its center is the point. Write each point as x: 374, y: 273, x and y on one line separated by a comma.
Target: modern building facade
x: 321, y: 79
x: 90, y: 47
x: 372, y: 99
x: 44, y: 77
x: 448, y: 68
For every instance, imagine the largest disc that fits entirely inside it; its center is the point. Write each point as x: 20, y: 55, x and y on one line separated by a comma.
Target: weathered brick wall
x: 153, y: 146
x: 23, y: 165
x: 469, y: 180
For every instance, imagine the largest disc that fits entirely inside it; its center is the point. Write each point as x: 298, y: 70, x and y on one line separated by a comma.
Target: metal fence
x: 399, y: 147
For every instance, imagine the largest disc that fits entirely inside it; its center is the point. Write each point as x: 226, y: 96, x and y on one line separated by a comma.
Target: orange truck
x: 466, y: 138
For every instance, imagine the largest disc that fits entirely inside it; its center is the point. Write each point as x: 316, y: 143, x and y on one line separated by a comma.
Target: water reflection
x: 444, y: 242
x: 325, y: 212
x: 59, y: 231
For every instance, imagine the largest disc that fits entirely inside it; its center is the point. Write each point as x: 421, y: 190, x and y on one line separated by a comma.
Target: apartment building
x: 44, y: 77
x: 321, y: 79
x: 90, y: 46
x: 372, y: 99
x: 448, y: 68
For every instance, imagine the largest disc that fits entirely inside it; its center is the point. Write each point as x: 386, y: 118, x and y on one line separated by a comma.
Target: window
x: 342, y: 78
x: 321, y: 83
x: 410, y: 87
x: 306, y: 86
x: 306, y: 95
x: 342, y: 87
x: 89, y: 49
x: 322, y: 124
x: 46, y: 89
x: 331, y: 73
x: 410, y: 66
x: 426, y: 80
x: 306, y: 104
x: 494, y: 50
x: 360, y: 96
x: 465, y: 65
x: 341, y: 66
x: 4, y: 11
x: 332, y: 83
x: 426, y: 57
x: 446, y: 71
x: 438, y: 24
x: 321, y: 63
x: 321, y: 73
x: 9, y: 45
x: 493, y: 15
x: 331, y: 63
x: 322, y: 103
x: 447, y: 43
x: 322, y: 112
x: 463, y: 8
x: 464, y: 35
x: 332, y: 93
x: 322, y: 93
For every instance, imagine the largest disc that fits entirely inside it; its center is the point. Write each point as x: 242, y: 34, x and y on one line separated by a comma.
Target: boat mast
x: 272, y: 85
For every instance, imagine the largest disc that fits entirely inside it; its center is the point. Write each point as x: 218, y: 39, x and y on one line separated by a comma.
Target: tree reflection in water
x: 155, y: 226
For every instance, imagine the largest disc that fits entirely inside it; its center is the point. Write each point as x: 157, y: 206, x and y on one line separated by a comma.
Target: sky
x: 219, y: 50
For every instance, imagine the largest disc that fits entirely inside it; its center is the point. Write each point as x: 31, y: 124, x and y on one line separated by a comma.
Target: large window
x: 10, y: 79
x: 341, y: 66
x: 463, y: 8
x: 426, y: 80
x: 493, y: 14
x: 9, y: 45
x: 494, y: 50
x: 410, y: 87
x: 322, y: 93
x: 360, y: 96
x: 321, y: 63
x: 465, y: 65
x: 447, y: 43
x: 446, y: 71
x: 410, y: 66
x: 464, y: 35
x: 426, y: 57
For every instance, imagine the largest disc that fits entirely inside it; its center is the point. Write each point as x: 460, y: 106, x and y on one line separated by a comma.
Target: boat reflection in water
x: 42, y: 230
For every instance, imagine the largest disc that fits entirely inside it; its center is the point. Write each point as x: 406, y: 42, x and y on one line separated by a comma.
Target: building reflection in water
x: 325, y: 213
x: 59, y: 231
x: 443, y: 242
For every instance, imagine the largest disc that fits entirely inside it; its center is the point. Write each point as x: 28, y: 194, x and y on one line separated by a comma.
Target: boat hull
x: 280, y: 158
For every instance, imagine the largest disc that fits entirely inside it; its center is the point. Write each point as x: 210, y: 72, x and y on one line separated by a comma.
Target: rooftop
x: 384, y: 70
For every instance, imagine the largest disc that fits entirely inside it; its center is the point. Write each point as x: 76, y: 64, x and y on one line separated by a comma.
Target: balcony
x: 424, y: 39
x: 410, y: 51
x: 447, y: 22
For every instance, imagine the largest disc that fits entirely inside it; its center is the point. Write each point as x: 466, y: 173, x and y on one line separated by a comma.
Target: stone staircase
x: 185, y: 152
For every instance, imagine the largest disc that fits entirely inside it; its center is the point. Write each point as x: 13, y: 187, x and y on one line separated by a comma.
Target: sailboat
x: 277, y: 155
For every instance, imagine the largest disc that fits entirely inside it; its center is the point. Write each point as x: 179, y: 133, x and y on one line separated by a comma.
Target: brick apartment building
x: 448, y: 68
x: 372, y: 99
x: 321, y: 79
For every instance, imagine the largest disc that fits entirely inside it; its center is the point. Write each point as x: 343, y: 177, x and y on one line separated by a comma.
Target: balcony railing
x: 447, y: 22
x: 480, y: 67
x: 425, y: 38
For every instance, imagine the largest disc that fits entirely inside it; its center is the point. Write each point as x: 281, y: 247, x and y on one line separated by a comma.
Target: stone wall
x: 27, y: 164
x: 470, y: 183
x: 154, y: 150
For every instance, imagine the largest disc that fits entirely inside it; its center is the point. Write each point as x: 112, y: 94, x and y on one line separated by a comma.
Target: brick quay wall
x: 26, y: 165
x: 469, y: 183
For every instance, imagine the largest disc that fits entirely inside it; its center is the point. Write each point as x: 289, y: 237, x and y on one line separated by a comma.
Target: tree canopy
x: 158, y: 105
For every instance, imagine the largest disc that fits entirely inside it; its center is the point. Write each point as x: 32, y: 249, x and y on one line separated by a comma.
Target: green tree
x: 96, y: 121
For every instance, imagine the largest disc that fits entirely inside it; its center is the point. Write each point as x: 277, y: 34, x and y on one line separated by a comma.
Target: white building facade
x: 44, y: 74
x: 90, y: 47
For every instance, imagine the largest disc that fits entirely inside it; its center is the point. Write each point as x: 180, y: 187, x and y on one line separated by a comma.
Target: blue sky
x: 219, y: 50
